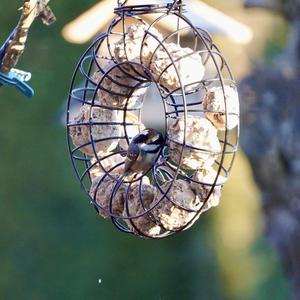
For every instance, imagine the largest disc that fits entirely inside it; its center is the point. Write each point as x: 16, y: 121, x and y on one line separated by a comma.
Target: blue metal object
x: 15, y: 77
x: 4, y: 46
x: 18, y: 79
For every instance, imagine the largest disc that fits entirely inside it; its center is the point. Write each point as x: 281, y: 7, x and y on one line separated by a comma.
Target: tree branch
x: 31, y: 9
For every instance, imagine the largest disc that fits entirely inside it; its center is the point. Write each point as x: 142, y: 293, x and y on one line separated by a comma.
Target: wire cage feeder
x: 200, y: 125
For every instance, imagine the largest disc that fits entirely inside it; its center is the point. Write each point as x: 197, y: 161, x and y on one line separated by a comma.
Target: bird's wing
x: 132, y: 155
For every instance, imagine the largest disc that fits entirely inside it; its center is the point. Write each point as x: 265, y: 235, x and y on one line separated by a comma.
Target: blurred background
x: 52, y: 243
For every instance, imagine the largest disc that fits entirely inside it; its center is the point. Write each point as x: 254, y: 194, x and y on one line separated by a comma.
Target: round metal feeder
x: 104, y: 113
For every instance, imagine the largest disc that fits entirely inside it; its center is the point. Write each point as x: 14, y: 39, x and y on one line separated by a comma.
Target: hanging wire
x: 4, y: 46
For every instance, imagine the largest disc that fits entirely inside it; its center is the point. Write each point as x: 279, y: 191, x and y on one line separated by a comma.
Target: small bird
x: 143, y: 151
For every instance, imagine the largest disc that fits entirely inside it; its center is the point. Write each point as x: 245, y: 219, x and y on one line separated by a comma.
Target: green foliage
x: 276, y: 44
x: 52, y: 243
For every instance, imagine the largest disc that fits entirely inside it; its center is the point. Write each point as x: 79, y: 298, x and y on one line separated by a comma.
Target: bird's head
x: 150, y: 140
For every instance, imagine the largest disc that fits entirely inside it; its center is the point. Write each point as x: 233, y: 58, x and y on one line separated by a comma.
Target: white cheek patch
x: 144, y: 132
x: 150, y: 147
